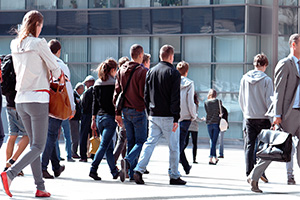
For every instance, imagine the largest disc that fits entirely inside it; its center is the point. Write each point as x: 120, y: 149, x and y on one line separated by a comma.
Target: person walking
x: 162, y: 99
x: 32, y: 61
x: 103, y: 117
x: 213, y: 118
x: 222, y: 133
x: 255, y: 93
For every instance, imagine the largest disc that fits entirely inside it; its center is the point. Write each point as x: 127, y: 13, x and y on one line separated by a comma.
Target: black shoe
x: 188, y: 170
x: 291, y: 181
x: 47, y: 175
x: 195, y: 162
x: 83, y: 160
x: 94, y: 176
x: 116, y: 175
x: 138, y: 177
x: 221, y: 157
x: 62, y: 159
x: 146, y: 172
x: 124, y: 169
x: 178, y: 181
x: 59, y: 171
x: 264, y: 178
x: 76, y: 156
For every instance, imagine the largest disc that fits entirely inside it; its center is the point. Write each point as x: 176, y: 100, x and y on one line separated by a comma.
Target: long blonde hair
x: 30, y: 21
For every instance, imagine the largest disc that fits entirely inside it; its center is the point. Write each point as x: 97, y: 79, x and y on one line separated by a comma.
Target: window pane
x: 9, y: 20
x: 157, y: 3
x: 254, y: 18
x: 267, y: 47
x: 195, y: 2
x: 72, y: 23
x: 228, y: 78
x: 79, y: 72
x: 5, y: 46
x: 105, y: 3
x: 197, y: 49
x: 135, y: 21
x: 288, y: 2
x: 287, y: 19
x: 229, y: 48
x: 72, y: 4
x: 103, y: 48
x: 166, y: 21
x: 228, y: 1
x: 12, y: 5
x: 283, y: 47
x: 229, y: 19
x: 197, y: 20
x: 41, y: 4
x: 158, y: 42
x: 137, y: 3
x: 127, y: 42
x: 253, y: 47
x: 74, y: 49
x: 104, y: 22
x: 201, y: 75
x: 49, y: 26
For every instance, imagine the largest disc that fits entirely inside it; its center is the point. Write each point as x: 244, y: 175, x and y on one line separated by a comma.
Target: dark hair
x: 166, y: 51
x: 182, y: 67
x: 54, y: 46
x: 294, y: 38
x: 105, y: 68
x: 123, y: 60
x: 260, y: 60
x: 212, y: 93
x: 146, y: 57
x: 196, y: 101
x: 135, y: 51
x: 29, y: 23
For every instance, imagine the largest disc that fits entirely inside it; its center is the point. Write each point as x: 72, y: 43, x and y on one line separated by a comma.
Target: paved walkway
x: 224, y: 181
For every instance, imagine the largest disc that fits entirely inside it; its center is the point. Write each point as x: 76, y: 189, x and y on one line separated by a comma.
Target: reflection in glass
x: 79, y: 72
x: 228, y: 1
x: 74, y: 49
x: 253, y: 47
x: 9, y: 20
x: 195, y: 2
x: 104, y: 22
x: 197, y: 20
x: 166, y: 21
x: 5, y: 46
x: 197, y: 49
x: 49, y: 26
x: 229, y: 48
x: 72, y: 22
x: 72, y: 4
x: 127, y: 42
x: 287, y: 2
x: 106, y: 3
x: 137, y: 3
x: 41, y: 4
x: 135, y: 21
x: 103, y: 48
x: 287, y: 19
x: 158, y: 42
x: 157, y: 3
x: 12, y: 5
x: 201, y: 75
x: 283, y: 47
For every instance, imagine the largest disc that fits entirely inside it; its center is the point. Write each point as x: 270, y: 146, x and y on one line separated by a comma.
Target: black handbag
x: 274, y: 145
x: 121, y: 98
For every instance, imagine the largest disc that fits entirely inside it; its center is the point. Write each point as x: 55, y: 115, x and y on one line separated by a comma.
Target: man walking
x: 162, y: 99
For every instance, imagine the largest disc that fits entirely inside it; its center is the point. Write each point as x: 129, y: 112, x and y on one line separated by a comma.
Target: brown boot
x: 254, y: 185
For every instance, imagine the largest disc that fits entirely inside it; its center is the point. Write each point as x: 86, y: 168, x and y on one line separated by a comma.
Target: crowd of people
x: 157, y: 102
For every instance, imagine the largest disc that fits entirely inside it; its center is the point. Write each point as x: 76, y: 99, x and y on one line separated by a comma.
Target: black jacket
x: 87, y: 101
x: 78, y: 106
x: 162, y: 91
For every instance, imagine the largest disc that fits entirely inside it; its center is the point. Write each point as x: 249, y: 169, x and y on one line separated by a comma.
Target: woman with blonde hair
x: 33, y: 62
x: 213, y: 120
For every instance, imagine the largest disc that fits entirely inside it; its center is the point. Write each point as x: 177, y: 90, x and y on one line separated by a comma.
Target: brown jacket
x: 134, y: 96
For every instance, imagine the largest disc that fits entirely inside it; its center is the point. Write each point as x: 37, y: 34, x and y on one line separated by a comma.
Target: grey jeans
x: 35, y: 120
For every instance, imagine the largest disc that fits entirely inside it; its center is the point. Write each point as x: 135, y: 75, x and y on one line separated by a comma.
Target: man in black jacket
x: 162, y: 99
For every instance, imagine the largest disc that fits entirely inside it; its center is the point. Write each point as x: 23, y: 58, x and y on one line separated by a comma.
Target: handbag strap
x: 128, y: 81
x: 220, y: 108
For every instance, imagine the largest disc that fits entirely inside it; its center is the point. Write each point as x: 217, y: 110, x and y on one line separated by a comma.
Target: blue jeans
x: 106, y: 126
x: 50, y: 149
x: 66, y: 130
x: 213, y: 131
x: 85, y: 129
x: 135, y: 123
x: 184, y: 129
x: 158, y: 127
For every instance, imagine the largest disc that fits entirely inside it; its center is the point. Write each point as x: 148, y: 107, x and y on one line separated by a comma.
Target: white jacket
x: 187, y: 105
x: 32, y: 62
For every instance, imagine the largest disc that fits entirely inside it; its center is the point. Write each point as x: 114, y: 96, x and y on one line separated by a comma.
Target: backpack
x: 8, y: 75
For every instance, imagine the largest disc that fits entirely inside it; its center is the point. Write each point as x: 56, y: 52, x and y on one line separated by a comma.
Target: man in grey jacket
x: 255, y: 93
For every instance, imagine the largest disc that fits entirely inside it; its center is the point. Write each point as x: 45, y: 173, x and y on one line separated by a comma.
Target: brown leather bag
x: 59, y: 105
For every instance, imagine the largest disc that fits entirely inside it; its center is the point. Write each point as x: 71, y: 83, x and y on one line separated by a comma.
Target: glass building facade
x: 219, y: 38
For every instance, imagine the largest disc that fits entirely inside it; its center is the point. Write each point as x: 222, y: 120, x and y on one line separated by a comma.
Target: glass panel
x: 127, y: 42
x: 9, y: 20
x: 287, y: 19
x: 228, y: 78
x: 229, y: 48
x: 72, y: 22
x: 105, y: 3
x: 104, y: 22
x: 257, y: 2
x: 197, y: 49
x: 158, y: 42
x: 157, y: 3
x: 201, y: 75
x: 5, y: 46
x: 103, y: 48
x: 254, y: 18
x: 12, y: 5
x: 49, y: 26
x: 195, y: 2
x: 253, y: 47
x: 137, y: 3
x: 229, y: 19
x: 79, y: 72
x: 266, y: 18
x: 41, y: 4
x: 135, y: 21
x: 283, y: 47
x: 288, y: 2
x: 267, y: 48
x: 166, y: 21
x: 74, y: 49
x: 197, y: 20
x: 72, y: 4
x: 228, y: 1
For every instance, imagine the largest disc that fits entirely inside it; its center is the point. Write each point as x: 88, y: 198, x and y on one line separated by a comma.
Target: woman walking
x: 32, y: 62
x: 104, y: 116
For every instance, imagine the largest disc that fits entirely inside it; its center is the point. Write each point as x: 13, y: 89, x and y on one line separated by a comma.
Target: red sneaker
x: 5, y: 183
x: 40, y: 193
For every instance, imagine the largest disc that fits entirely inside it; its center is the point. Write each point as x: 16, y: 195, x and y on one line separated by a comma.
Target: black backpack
x: 8, y: 75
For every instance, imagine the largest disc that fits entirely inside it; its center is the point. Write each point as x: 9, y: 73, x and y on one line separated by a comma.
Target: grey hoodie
x: 187, y: 105
x: 256, y: 89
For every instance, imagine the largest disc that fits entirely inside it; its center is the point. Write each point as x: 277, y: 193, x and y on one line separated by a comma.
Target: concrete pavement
x: 226, y: 180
